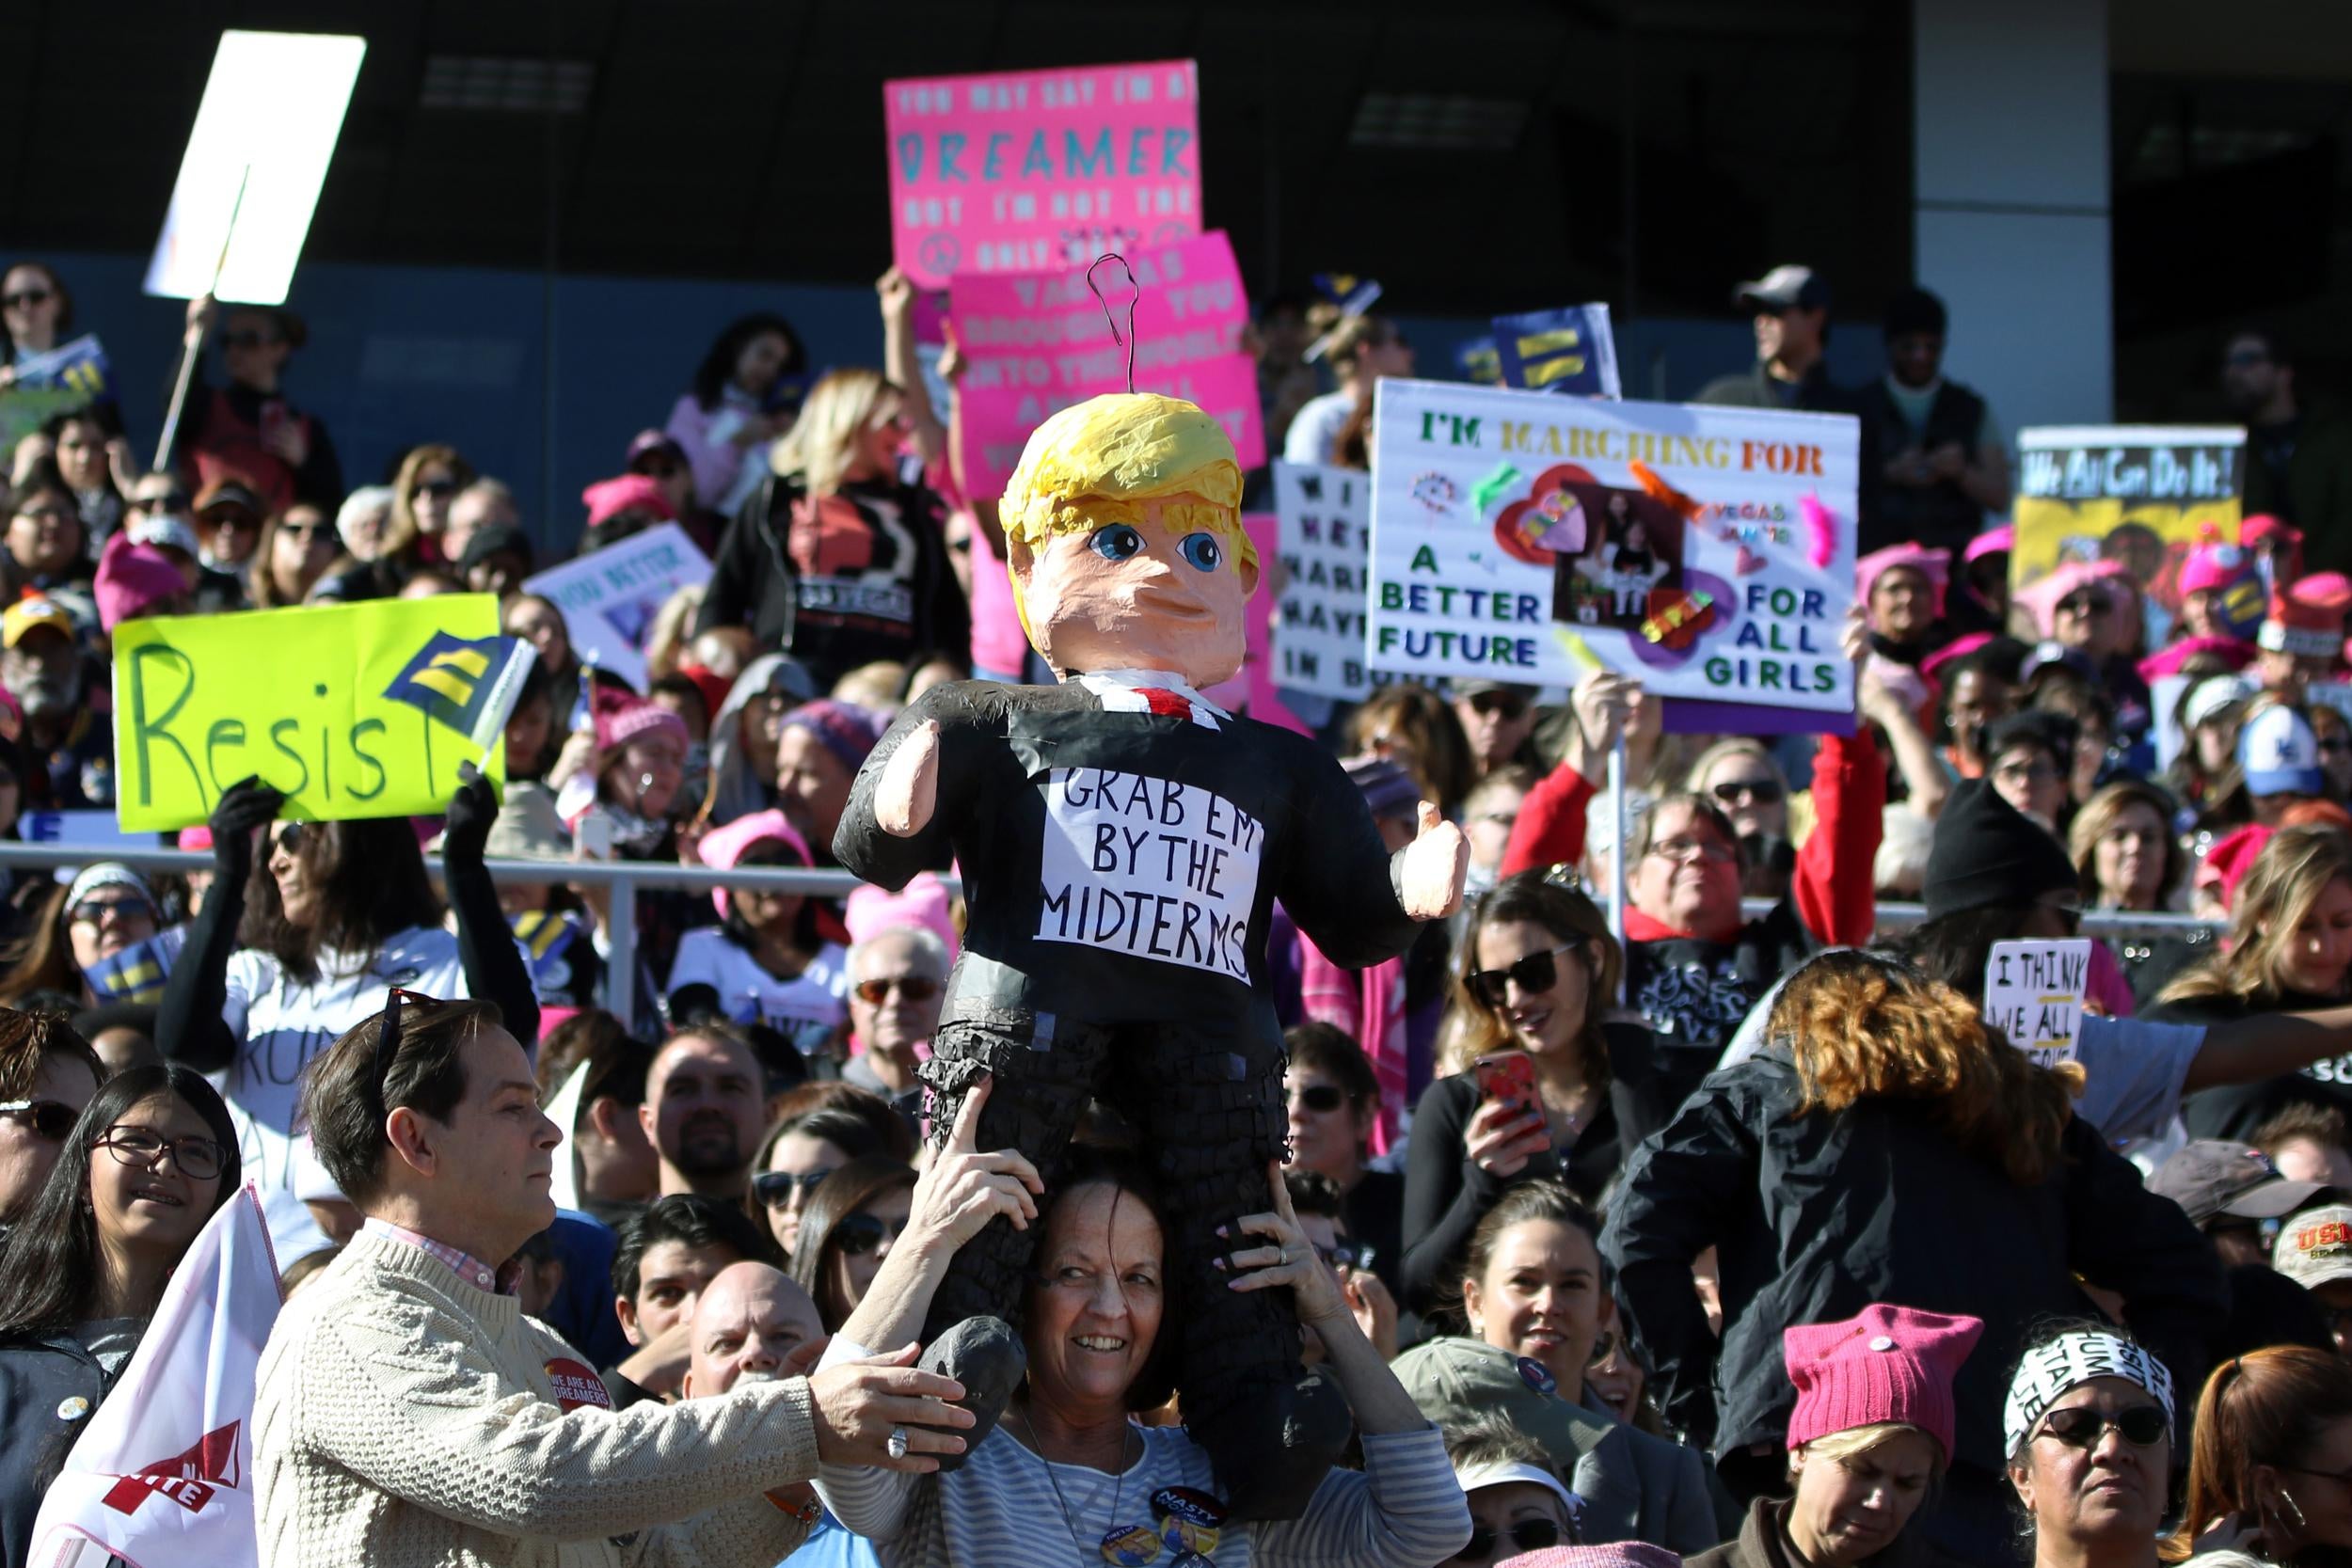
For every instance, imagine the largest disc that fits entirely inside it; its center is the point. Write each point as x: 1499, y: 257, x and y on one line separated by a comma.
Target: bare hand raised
x: 962, y: 1189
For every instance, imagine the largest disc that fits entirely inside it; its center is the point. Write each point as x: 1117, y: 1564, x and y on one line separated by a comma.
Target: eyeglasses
x: 170, y: 501
x: 440, y: 489
x: 25, y: 297
x: 1528, y: 1535
x: 1684, y: 851
x: 776, y: 1188
x: 1535, y: 974
x: 46, y: 514
x: 858, y: 1234
x: 1325, y: 1098
x: 51, y: 1119
x: 388, y: 1037
x: 142, y: 1148
x: 914, y: 987
x: 2081, y: 1427
x: 2035, y: 771
x: 2085, y: 604
x: 89, y: 911
x: 1764, y: 792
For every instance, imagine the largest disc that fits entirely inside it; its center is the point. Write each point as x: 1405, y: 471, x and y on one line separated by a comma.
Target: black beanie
x: 1987, y: 851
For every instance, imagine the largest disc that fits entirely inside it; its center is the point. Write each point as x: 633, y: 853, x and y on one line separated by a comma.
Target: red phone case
x: 1507, y: 1075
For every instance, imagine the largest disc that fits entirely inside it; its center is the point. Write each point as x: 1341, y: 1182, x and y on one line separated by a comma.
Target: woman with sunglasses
x: 852, y: 1218
x: 48, y: 1072
x: 1742, y: 776
x: 250, y: 427
x: 766, y: 962
x: 805, y: 1146
x: 1516, y: 1502
x: 1333, y: 1095
x: 429, y: 480
x: 36, y: 313
x: 2088, y: 1432
x: 2270, y: 1460
x: 1868, y: 1441
x: 1534, y: 976
x: 298, y: 546
x: 70, y: 951
x: 150, y: 1158
x: 300, y: 940
x: 1882, y: 1121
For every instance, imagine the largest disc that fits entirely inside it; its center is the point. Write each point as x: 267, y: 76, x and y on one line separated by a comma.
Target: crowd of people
x: 1725, y: 1235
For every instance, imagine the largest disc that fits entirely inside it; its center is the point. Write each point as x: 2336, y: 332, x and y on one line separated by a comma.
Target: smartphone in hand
x: 1508, y: 1077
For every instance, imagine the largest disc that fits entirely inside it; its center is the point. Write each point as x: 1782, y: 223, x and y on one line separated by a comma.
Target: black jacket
x: 1816, y: 1216
x: 1762, y: 1544
x: 836, y: 593
x: 50, y: 1386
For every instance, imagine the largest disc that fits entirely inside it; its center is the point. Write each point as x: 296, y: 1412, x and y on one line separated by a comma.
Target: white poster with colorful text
x: 1522, y: 537
x: 1327, y: 556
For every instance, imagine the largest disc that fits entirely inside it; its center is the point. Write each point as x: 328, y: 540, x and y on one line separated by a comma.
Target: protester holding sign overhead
x: 249, y: 427
x: 1881, y: 1119
x: 297, y: 942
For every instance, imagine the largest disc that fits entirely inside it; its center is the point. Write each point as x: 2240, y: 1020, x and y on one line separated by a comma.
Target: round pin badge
x: 72, y: 1408
x: 1537, y: 1376
x: 1130, y: 1545
x: 1191, y: 1521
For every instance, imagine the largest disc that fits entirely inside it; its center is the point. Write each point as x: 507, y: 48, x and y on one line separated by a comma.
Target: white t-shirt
x: 808, y: 1009
x: 280, y: 1026
x: 1314, y: 432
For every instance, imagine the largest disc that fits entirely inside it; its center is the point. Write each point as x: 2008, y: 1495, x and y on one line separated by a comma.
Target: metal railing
x: 629, y: 877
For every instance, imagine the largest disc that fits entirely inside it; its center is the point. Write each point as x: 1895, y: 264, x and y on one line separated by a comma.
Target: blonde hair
x: 1119, y: 451
x: 400, y: 534
x: 1862, y: 1027
x: 823, y: 440
x: 2100, y: 815
x: 1694, y: 782
x: 2284, y: 882
x: 1852, y: 1443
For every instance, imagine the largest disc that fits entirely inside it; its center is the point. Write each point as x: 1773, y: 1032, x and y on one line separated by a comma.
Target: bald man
x: 750, y: 1320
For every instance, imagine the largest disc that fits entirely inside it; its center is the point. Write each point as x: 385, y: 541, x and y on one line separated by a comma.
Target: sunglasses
x: 170, y: 501
x: 2142, y: 1426
x: 1510, y: 705
x: 858, y: 1234
x: 2086, y: 604
x: 388, y: 1037
x: 143, y: 1149
x: 914, y: 987
x: 51, y: 1119
x: 1528, y: 1535
x: 24, y: 297
x: 440, y: 489
x: 1325, y: 1098
x: 1764, y: 792
x: 89, y: 911
x: 1535, y: 974
x: 776, y: 1187
x: 240, y: 520
x: 246, y: 339
x: 308, y: 530
x: 287, y: 838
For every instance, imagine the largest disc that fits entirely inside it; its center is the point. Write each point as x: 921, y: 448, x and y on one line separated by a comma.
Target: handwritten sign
x: 609, y: 598
x: 1570, y: 351
x: 2033, y: 993
x: 1327, y: 559
x: 1149, y: 867
x: 355, y: 710
x: 1517, y: 537
x: 1022, y: 171
x: 1038, y: 342
x: 2144, y: 495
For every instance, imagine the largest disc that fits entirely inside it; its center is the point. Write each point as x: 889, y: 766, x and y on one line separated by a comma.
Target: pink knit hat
x: 1992, y: 541
x: 132, y: 579
x: 1618, y: 1554
x: 2168, y: 660
x: 1934, y: 565
x: 624, y: 720
x: 1886, y: 1364
x: 871, y: 911
x: 2040, y: 597
x: 722, y: 847
x: 609, y: 497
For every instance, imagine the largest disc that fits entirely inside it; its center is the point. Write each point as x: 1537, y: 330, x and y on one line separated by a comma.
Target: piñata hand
x: 908, y: 791
x: 1435, y: 866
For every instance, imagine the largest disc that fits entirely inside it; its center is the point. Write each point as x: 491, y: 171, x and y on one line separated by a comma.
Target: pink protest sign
x: 997, y: 419
x: 1022, y: 171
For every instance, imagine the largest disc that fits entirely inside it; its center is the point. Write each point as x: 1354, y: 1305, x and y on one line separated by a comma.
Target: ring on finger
x: 898, y: 1444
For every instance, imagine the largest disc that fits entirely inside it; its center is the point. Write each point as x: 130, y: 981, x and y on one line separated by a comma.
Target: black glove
x: 471, y: 811
x: 244, y: 806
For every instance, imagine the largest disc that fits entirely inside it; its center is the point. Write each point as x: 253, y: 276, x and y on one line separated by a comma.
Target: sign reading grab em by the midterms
x: 1037, y: 343
x: 355, y: 710
x: 1022, y: 171
x: 1519, y: 536
x: 271, y: 112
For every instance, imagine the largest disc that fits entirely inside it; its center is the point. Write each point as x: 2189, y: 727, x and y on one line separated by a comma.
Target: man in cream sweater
x: 408, y: 1413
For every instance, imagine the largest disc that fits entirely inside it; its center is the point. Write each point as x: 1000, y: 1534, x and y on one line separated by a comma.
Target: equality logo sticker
x: 1149, y: 867
x: 575, y: 1385
x: 1537, y: 1376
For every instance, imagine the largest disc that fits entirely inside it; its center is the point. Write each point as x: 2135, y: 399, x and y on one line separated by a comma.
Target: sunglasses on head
x: 1320, y: 1096
x: 50, y: 1119
x: 858, y: 1234
x: 1536, y: 972
x: 1528, y: 1535
x: 388, y: 1037
x: 914, y: 987
x: 1764, y: 792
x: 774, y: 1187
x: 2081, y: 1427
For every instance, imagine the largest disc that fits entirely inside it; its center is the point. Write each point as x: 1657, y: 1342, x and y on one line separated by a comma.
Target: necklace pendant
x: 1130, y: 1545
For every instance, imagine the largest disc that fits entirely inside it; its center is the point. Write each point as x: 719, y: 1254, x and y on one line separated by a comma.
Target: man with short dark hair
x: 618, y: 1171
x: 2298, y: 458
x: 668, y: 1255
x: 705, y: 1109
x: 407, y: 1413
x: 1790, y: 308
x: 1943, y: 465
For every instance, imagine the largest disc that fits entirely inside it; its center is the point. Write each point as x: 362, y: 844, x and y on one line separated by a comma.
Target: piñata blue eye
x: 1115, y: 542
x: 1202, y: 550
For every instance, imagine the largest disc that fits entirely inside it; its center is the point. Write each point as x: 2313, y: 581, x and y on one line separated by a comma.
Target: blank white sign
x: 271, y: 110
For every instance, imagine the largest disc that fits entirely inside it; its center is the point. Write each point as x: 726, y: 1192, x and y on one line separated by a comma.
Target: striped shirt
x: 1403, y: 1510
